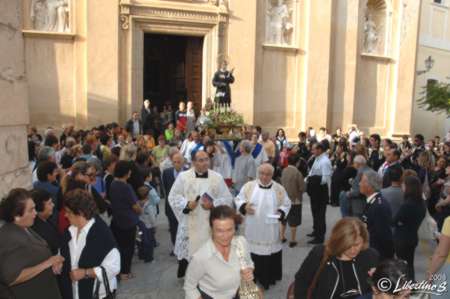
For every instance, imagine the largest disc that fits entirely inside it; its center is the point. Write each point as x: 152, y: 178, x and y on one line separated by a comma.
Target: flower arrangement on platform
x: 226, y: 122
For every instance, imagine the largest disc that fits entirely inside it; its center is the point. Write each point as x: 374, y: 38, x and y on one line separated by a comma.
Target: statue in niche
x: 50, y: 15
x: 370, y: 34
x: 279, y: 24
x: 39, y: 15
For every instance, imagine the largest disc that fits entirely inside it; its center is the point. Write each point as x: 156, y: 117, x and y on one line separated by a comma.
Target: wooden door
x: 194, y: 59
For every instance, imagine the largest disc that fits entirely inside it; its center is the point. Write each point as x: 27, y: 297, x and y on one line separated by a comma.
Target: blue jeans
x: 147, y: 243
x: 344, y: 205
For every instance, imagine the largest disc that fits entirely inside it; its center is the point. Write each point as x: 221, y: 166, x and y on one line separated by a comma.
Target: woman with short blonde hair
x: 339, y: 268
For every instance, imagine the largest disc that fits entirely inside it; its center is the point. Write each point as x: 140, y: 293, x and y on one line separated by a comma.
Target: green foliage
x: 436, y: 98
x: 229, y: 118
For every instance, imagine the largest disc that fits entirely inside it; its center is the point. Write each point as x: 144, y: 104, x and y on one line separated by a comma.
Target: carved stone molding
x: 191, y: 12
x: 125, y: 15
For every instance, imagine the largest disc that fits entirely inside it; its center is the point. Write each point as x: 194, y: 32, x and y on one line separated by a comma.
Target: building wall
x: 73, y: 77
x: 435, y: 42
x: 242, y: 29
x: 14, y: 170
x: 93, y: 75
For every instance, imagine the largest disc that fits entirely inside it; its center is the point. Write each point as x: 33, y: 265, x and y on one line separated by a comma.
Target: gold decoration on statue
x: 247, y: 289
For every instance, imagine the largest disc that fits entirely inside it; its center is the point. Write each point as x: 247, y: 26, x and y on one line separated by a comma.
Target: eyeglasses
x: 91, y: 175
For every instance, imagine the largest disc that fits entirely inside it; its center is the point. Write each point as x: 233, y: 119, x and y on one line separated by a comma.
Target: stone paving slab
x: 157, y: 280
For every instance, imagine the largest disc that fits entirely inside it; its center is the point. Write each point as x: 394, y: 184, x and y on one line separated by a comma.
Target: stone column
x: 318, y: 56
x: 344, y: 56
x: 14, y: 170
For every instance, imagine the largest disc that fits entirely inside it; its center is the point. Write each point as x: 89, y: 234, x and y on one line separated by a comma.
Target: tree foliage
x: 436, y: 97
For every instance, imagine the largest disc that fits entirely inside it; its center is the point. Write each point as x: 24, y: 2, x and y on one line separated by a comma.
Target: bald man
x: 194, y: 193
x: 264, y: 203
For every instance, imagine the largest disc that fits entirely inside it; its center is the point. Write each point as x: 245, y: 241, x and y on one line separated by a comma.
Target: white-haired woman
x: 244, y: 166
x: 128, y: 153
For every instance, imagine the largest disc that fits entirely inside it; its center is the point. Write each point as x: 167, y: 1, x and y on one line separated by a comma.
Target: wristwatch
x: 86, y: 276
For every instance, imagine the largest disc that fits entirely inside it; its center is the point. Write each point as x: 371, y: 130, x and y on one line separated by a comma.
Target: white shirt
x: 111, y: 263
x: 244, y: 171
x: 221, y: 163
x: 352, y: 136
x: 261, y: 158
x: 371, y: 198
x: 189, y: 148
x: 136, y: 128
x: 322, y: 166
x: 216, y: 277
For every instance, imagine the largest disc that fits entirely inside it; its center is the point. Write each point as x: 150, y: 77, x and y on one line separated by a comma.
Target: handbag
x: 109, y: 294
x: 428, y: 229
x: 247, y: 289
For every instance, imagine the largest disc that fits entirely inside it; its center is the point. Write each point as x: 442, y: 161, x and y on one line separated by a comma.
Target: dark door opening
x: 173, y: 69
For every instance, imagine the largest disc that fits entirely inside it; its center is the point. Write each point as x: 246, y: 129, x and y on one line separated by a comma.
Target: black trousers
x: 173, y: 222
x: 268, y: 268
x: 319, y: 200
x: 126, y: 240
x: 182, y: 267
x: 405, y: 250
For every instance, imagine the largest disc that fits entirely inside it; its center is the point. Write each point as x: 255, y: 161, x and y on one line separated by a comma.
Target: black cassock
x: 222, y: 81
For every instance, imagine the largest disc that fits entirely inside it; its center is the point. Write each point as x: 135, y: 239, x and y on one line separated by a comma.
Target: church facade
x: 297, y: 63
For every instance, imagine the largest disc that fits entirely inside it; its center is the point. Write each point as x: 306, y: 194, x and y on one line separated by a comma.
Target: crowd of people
x: 96, y: 198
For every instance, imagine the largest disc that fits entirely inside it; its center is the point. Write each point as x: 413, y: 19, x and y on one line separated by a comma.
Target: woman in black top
x: 407, y: 222
x: 338, y: 269
x: 343, y: 172
x: 27, y: 267
x: 44, y: 228
x: 436, y: 180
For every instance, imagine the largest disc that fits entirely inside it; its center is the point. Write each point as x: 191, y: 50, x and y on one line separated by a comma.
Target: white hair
x: 373, y: 179
x: 360, y: 159
x: 266, y: 165
x: 247, y: 146
x: 128, y: 152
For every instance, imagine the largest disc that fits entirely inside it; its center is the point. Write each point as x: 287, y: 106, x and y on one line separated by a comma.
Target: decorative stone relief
x: 370, y: 34
x: 50, y: 15
x: 125, y: 16
x: 279, y: 22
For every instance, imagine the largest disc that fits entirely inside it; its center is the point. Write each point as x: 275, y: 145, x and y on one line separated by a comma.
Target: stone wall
x: 14, y: 169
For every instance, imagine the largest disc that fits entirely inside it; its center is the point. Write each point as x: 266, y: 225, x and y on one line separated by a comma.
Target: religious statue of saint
x: 222, y: 80
x: 370, y: 35
x: 279, y: 23
x: 39, y: 15
x: 50, y: 15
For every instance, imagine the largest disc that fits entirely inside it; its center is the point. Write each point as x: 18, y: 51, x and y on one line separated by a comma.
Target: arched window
x: 377, y: 27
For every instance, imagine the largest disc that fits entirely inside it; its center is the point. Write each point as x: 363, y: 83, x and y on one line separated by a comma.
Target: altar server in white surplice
x: 264, y: 203
x: 192, y: 196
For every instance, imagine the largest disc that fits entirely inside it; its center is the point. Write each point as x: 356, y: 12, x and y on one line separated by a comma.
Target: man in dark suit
x: 377, y: 215
x: 168, y: 178
x: 376, y: 158
x: 392, y: 161
x: 134, y: 125
x: 146, y: 117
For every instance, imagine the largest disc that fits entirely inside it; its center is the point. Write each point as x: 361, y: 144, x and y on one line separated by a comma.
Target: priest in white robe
x: 194, y: 193
x: 264, y: 203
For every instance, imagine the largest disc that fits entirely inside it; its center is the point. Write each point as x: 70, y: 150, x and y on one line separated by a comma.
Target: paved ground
x: 157, y: 280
